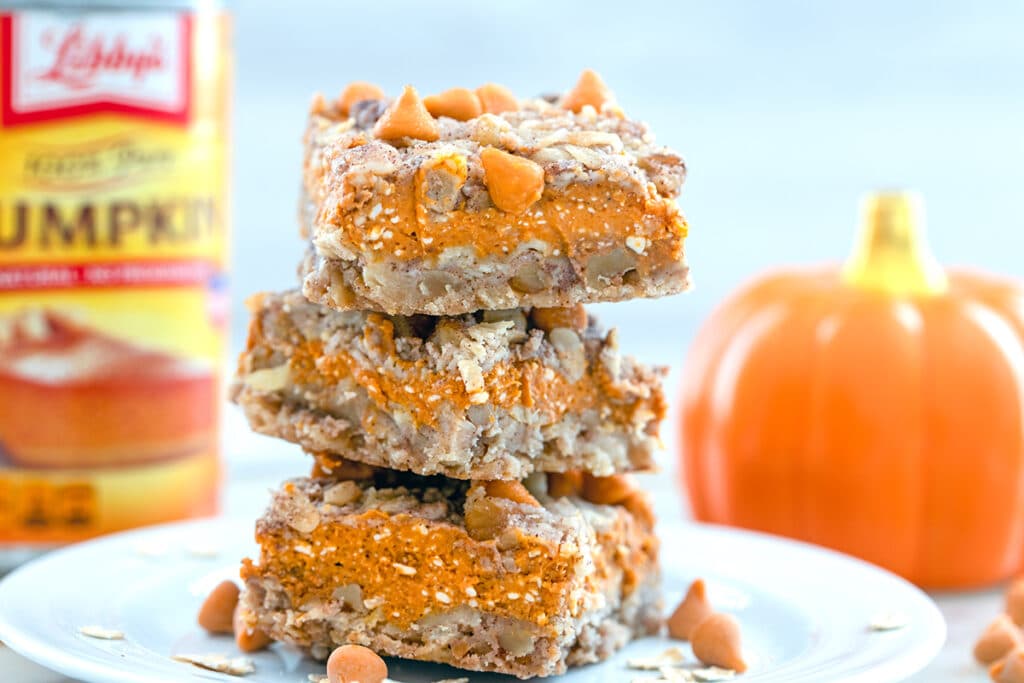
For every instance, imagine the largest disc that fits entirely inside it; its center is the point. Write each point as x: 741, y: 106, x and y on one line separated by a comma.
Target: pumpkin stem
x: 891, y: 254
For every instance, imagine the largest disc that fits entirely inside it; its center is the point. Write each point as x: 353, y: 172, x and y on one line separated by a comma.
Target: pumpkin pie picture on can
x: 74, y: 396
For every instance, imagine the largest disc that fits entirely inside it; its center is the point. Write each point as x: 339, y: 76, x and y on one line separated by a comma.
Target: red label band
x: 164, y: 273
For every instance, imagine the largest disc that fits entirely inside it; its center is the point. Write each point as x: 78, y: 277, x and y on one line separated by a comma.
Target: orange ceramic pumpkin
x: 876, y: 408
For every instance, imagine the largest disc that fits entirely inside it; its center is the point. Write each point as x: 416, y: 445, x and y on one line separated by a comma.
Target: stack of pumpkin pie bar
x: 472, y: 428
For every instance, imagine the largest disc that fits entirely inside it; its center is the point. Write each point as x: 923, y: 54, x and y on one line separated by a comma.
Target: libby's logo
x: 56, y: 67
x: 78, y: 58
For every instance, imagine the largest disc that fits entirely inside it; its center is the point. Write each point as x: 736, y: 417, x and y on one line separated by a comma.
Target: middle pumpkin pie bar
x: 495, y: 576
x: 492, y: 395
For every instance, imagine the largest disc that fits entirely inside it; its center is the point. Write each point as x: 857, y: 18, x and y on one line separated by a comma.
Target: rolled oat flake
x: 113, y: 257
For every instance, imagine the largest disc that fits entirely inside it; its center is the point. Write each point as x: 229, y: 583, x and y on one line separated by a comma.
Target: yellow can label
x: 113, y: 261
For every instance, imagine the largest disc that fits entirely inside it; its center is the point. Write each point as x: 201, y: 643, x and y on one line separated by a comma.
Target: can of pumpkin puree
x: 113, y: 257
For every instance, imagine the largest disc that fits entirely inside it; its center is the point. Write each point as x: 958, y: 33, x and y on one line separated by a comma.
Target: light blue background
x: 786, y: 111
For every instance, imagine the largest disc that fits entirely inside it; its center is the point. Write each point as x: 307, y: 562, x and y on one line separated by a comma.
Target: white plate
x: 805, y: 611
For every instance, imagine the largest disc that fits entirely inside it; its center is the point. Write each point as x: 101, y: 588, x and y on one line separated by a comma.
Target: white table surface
x: 257, y: 464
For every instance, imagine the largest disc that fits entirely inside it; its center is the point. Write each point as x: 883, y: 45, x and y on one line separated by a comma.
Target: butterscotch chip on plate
x: 494, y: 204
x: 555, y: 582
x: 484, y: 396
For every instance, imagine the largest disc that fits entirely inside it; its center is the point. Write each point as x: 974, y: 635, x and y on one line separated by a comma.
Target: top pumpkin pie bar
x: 472, y: 200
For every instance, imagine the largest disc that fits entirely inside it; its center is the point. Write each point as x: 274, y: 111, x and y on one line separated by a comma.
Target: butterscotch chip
x: 495, y: 99
x: 407, y: 118
x: 248, y: 638
x: 218, y: 609
x: 716, y: 641
x: 355, y: 664
x: 513, y: 182
x: 998, y: 639
x: 318, y: 104
x: 357, y: 91
x: 561, y: 484
x: 510, y: 490
x: 1009, y: 669
x: 461, y: 104
x: 590, y: 89
x: 639, y: 505
x: 547, y: 319
x: 607, y: 490
x: 694, y: 609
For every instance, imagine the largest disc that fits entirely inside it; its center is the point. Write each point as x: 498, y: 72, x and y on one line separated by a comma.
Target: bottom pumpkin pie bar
x: 488, y: 576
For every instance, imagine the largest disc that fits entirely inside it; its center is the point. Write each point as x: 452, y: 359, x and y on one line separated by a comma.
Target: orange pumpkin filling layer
x: 409, y: 567
x: 416, y: 570
x: 574, y: 222
x: 418, y: 388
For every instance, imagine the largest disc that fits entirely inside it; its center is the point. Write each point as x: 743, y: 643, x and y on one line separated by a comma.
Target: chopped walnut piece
x: 461, y: 104
x: 268, y: 379
x: 516, y: 641
x: 513, y: 182
x: 484, y: 518
x: 301, y: 514
x: 407, y: 118
x: 439, y: 183
x: 589, y: 89
x: 343, y: 493
x: 496, y: 99
x: 357, y: 91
